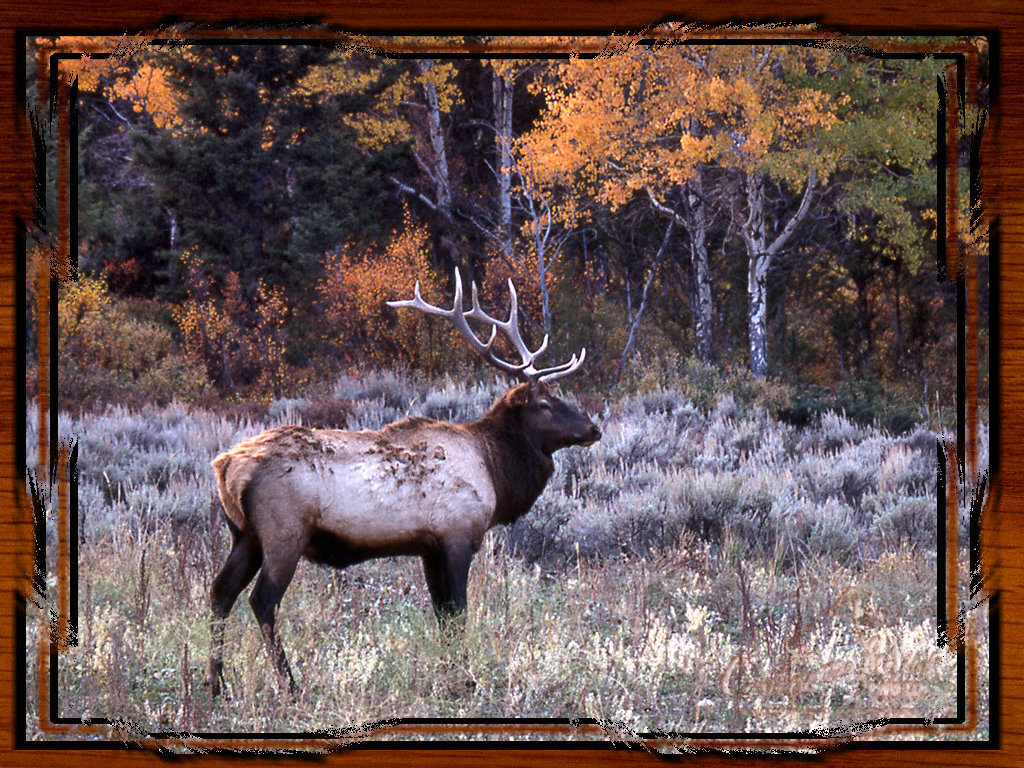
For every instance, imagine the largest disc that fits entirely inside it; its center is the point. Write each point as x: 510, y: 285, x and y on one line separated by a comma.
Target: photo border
x: 954, y: 625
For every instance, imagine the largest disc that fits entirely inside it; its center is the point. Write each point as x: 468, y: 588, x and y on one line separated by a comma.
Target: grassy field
x: 693, y: 572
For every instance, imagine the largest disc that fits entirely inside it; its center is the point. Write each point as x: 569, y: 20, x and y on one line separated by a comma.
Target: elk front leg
x: 239, y: 569
x: 447, y: 573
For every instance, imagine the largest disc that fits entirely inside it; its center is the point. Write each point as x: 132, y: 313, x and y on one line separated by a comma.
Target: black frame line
x: 530, y: 741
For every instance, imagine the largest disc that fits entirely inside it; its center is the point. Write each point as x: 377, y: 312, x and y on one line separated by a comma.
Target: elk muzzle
x: 593, y: 437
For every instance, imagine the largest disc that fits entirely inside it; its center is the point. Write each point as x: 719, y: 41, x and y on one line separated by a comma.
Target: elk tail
x: 232, y: 479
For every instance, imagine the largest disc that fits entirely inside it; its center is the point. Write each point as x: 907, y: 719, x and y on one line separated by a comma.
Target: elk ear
x: 538, y: 390
x: 519, y: 396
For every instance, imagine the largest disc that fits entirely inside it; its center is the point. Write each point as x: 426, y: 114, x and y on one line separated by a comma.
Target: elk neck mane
x: 517, y: 465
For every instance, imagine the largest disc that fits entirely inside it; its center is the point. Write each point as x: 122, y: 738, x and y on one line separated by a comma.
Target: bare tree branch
x: 635, y: 324
x: 787, y: 232
x: 415, y: 193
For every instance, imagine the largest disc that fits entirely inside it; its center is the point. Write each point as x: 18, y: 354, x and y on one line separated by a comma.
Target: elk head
x: 552, y: 423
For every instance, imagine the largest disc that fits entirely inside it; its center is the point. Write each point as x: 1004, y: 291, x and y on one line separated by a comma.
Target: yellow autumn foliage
x: 644, y: 119
x: 386, y: 119
x: 106, y: 353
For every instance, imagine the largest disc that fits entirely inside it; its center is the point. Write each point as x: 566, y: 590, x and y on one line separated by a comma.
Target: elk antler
x: 524, y: 370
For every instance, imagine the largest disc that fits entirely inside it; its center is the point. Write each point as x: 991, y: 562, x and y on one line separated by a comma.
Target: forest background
x: 755, y: 217
x: 744, y: 238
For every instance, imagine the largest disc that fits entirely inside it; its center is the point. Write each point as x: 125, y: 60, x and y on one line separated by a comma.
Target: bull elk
x: 415, y: 487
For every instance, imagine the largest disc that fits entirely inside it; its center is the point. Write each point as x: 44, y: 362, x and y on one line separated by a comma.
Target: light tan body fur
x: 400, y: 490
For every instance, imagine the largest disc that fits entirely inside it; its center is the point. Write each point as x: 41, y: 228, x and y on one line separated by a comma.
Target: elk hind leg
x: 241, y: 566
x: 277, y: 573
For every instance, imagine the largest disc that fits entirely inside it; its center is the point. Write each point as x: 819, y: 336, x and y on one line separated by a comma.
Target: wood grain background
x: 1003, y: 180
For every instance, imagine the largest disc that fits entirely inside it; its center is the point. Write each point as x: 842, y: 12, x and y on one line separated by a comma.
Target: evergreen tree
x: 261, y: 176
x: 123, y: 231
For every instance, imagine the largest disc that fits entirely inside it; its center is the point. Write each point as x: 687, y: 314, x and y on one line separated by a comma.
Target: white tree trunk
x: 757, y: 313
x: 760, y: 253
x: 540, y: 247
x: 502, y: 86
x: 436, y: 169
x: 703, y: 310
x: 172, y: 257
x: 694, y: 219
x: 439, y: 171
x: 758, y: 261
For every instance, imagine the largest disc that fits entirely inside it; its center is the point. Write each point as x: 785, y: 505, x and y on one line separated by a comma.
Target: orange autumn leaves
x: 120, y: 68
x: 644, y: 119
x: 353, y: 287
x: 241, y: 332
x: 355, y: 283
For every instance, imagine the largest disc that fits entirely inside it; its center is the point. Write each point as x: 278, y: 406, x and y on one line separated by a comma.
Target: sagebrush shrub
x: 661, y: 470
x: 894, y: 518
x: 326, y: 413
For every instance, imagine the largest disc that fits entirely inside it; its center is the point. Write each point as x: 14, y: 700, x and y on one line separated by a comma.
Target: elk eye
x: 545, y: 405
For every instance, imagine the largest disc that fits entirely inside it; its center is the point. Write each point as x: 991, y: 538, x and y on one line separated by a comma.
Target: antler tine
x: 558, y: 371
x: 477, y: 313
x: 511, y: 330
x: 458, y: 317
x: 457, y: 314
x: 417, y: 302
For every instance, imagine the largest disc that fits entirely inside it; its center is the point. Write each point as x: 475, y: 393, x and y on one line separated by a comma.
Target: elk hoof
x: 214, y: 676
